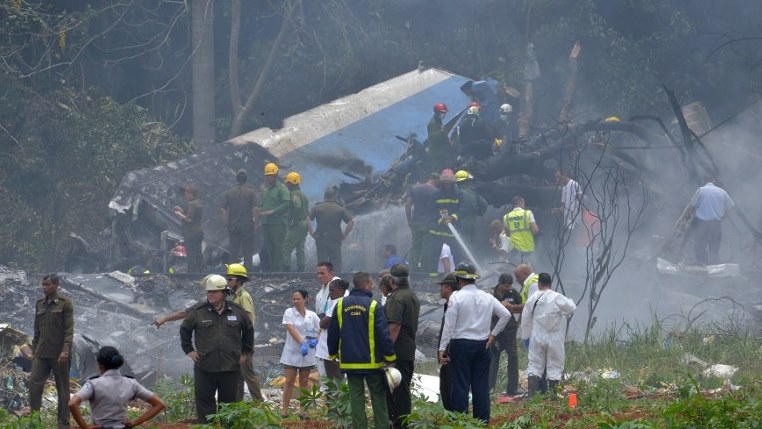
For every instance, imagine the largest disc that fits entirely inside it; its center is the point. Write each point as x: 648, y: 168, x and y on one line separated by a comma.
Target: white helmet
x: 215, y: 282
x: 393, y: 377
x: 506, y: 109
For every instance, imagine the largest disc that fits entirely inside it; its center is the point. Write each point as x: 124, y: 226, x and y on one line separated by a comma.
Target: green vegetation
x: 651, y: 381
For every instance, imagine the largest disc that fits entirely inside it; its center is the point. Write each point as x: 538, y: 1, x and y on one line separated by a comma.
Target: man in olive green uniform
x: 190, y: 227
x: 217, y: 335
x: 51, y: 347
x: 402, y: 308
x: 328, y: 236
x: 438, y: 144
x: 472, y: 206
x: 297, y: 223
x: 237, y: 276
x: 238, y: 213
x: 273, y: 212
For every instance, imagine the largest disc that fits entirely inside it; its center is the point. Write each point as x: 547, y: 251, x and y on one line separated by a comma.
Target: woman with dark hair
x: 302, y: 327
x: 109, y: 394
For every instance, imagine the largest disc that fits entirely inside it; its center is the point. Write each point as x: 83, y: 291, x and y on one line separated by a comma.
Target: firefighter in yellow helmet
x: 236, y: 277
x: 296, y: 235
x: 273, y: 216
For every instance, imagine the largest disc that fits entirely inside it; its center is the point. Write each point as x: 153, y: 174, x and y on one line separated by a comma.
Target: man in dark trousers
x: 51, y: 347
x: 402, y: 308
x: 448, y: 284
x: 328, y: 235
x: 297, y: 223
x: 447, y: 204
x: 468, y: 337
x: 506, y: 340
x: 238, y: 213
x: 217, y: 335
x: 359, y: 337
x: 419, y: 210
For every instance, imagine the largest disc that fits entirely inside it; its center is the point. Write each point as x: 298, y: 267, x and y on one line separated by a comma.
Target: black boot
x: 533, y: 385
x: 552, y: 384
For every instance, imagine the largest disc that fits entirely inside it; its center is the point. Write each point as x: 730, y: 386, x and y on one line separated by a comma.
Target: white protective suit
x: 543, y: 325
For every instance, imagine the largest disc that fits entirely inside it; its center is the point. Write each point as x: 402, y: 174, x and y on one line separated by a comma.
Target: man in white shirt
x: 446, y: 261
x: 337, y: 288
x: 467, y: 332
x: 571, y: 199
x: 322, y: 303
x: 711, y: 203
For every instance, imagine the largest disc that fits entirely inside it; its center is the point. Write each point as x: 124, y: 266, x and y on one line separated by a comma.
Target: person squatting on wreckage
x: 217, y: 335
x: 51, y: 347
x: 402, y: 308
x: 328, y: 235
x: 448, y: 284
x: 541, y: 325
x: 506, y: 340
x: 359, y: 338
x: 236, y: 277
x: 298, y: 356
x: 109, y: 393
x: 190, y: 227
x: 273, y: 210
x: 467, y: 337
x: 238, y: 214
x: 711, y: 204
x: 296, y: 235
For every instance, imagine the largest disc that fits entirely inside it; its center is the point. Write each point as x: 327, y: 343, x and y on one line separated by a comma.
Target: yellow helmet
x: 238, y: 270
x: 462, y: 175
x: 612, y: 119
x: 215, y: 282
x: 271, y: 169
x: 293, y: 178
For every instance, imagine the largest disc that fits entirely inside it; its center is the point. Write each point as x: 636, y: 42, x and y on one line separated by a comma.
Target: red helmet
x: 440, y: 108
x: 474, y: 104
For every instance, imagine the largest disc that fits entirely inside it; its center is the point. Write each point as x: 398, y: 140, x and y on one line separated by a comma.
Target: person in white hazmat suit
x: 542, y: 325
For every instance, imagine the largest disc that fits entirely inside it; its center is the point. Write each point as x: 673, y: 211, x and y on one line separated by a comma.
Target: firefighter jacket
x: 359, y: 334
x: 449, y: 201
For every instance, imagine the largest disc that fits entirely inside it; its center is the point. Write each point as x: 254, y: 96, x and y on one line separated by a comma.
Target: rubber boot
x: 552, y: 384
x: 533, y: 385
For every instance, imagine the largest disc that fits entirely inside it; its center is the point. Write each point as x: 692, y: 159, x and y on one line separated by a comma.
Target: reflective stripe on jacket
x: 359, y: 333
x: 517, y: 221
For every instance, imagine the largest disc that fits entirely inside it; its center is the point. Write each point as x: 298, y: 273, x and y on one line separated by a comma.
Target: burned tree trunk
x: 571, y: 85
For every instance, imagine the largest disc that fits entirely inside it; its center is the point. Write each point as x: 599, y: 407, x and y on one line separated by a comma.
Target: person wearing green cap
x: 328, y: 235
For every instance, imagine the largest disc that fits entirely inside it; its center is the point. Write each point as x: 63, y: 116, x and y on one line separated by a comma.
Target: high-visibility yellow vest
x: 517, y: 222
x: 534, y: 278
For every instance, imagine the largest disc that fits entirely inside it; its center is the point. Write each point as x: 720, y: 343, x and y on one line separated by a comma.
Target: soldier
x: 238, y: 213
x: 190, y: 227
x: 217, y: 336
x: 328, y: 236
x: 272, y: 215
x: 297, y: 223
x: 51, y: 347
x: 237, y: 276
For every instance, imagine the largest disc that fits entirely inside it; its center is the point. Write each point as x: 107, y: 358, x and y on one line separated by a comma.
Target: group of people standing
x: 280, y: 212
x: 477, y: 327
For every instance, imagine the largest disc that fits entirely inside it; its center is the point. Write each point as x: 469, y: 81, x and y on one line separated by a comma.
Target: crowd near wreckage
x: 370, y: 148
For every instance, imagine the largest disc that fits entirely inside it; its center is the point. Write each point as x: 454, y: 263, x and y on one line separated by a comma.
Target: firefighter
x: 438, y: 142
x: 297, y: 223
x: 273, y: 210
